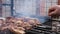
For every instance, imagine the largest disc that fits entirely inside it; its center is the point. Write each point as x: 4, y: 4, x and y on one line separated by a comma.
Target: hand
x: 54, y: 10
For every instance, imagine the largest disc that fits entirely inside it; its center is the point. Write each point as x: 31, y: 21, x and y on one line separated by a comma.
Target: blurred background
x: 26, y: 8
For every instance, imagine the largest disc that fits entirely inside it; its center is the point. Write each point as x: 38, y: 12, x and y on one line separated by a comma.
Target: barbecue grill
x: 53, y: 28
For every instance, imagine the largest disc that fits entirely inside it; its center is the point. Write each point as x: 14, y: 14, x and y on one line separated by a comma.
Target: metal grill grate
x: 56, y: 24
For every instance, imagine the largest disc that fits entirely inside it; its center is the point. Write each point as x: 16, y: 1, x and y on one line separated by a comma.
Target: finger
x: 52, y: 13
x: 51, y: 9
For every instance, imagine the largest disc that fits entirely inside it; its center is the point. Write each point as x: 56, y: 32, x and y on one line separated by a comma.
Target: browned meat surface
x: 18, y: 25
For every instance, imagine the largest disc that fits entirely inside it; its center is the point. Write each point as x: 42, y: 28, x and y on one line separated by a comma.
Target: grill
x: 41, y: 30
x: 53, y: 27
x: 56, y: 24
